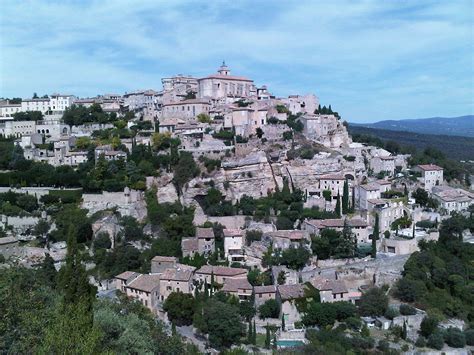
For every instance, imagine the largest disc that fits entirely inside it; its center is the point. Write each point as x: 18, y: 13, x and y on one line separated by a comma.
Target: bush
x: 455, y: 338
x: 428, y: 326
x: 407, y: 310
x: 469, y: 335
x: 391, y: 313
x: 383, y: 346
x: 436, y: 340
x: 420, y: 342
x: 354, y: 323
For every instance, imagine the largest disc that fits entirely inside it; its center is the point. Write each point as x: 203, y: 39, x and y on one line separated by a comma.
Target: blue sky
x: 370, y: 60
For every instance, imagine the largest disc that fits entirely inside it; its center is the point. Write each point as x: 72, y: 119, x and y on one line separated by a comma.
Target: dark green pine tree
x: 338, y: 205
x: 345, y: 198
x: 404, y: 330
x: 406, y: 191
x: 283, y: 322
x: 375, y: 236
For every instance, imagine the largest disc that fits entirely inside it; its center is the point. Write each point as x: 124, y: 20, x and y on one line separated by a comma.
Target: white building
x: 431, y: 175
x: 7, y: 110
x: 234, y: 244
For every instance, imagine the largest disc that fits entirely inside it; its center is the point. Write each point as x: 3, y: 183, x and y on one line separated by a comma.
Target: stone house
x: 383, y: 164
x: 221, y: 274
x: 145, y: 289
x: 123, y: 279
x: 451, y: 199
x: 203, y: 243
x: 364, y: 193
x: 284, y: 239
x: 160, y: 263
x: 239, y: 287
x: 175, y: 280
x: 234, y: 242
x: 330, y: 290
x: 287, y: 296
x: 264, y: 293
x: 358, y: 226
x: 388, y: 211
x: 431, y: 175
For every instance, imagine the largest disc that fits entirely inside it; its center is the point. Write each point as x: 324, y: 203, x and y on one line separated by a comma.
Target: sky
x: 371, y: 60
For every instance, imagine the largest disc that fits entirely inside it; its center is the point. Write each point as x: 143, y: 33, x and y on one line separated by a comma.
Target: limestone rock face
x: 128, y: 203
x: 251, y: 176
x: 165, y: 189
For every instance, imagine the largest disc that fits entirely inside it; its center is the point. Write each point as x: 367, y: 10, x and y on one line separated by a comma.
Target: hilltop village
x: 238, y: 218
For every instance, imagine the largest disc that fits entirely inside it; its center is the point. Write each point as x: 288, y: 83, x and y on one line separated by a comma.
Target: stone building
x: 220, y: 274
x: 175, y: 280
x: 359, y: 227
x: 431, y: 175
x: 186, y: 109
x: 222, y: 86
x: 161, y: 263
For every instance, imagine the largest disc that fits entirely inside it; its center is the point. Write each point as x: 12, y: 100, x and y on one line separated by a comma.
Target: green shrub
x: 436, y: 340
x: 407, y: 310
x: 455, y: 338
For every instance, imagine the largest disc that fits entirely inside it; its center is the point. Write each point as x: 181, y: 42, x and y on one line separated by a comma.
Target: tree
x: 469, y: 334
x: 374, y: 302
x: 436, y: 340
x: 259, y: 132
x: 455, y: 338
x: 428, y: 326
x: 421, y: 196
x: 185, y: 170
x: 375, y: 236
x: 222, y: 322
x: 204, y: 118
x: 49, y: 271
x: 180, y: 308
x: 267, y: 337
x: 345, y: 198
x: 281, y: 278
x: 270, y: 309
x: 102, y: 241
x: 295, y: 258
x: 338, y: 206
x: 41, y: 229
x: 347, y: 243
x: 320, y: 314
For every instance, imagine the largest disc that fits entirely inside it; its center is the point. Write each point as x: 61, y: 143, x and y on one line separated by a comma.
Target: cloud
x: 369, y: 59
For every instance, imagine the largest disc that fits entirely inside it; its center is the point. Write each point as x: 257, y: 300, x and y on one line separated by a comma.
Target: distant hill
x: 451, y: 126
x: 453, y: 147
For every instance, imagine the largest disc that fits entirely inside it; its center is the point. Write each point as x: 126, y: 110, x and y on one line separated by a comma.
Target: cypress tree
x: 249, y: 334
x: 283, y: 322
x: 254, y: 334
x: 404, y: 331
x: 338, y: 205
x: 267, y: 337
x: 212, y: 282
x: 345, y: 198
x: 375, y: 236
x: 353, y: 200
